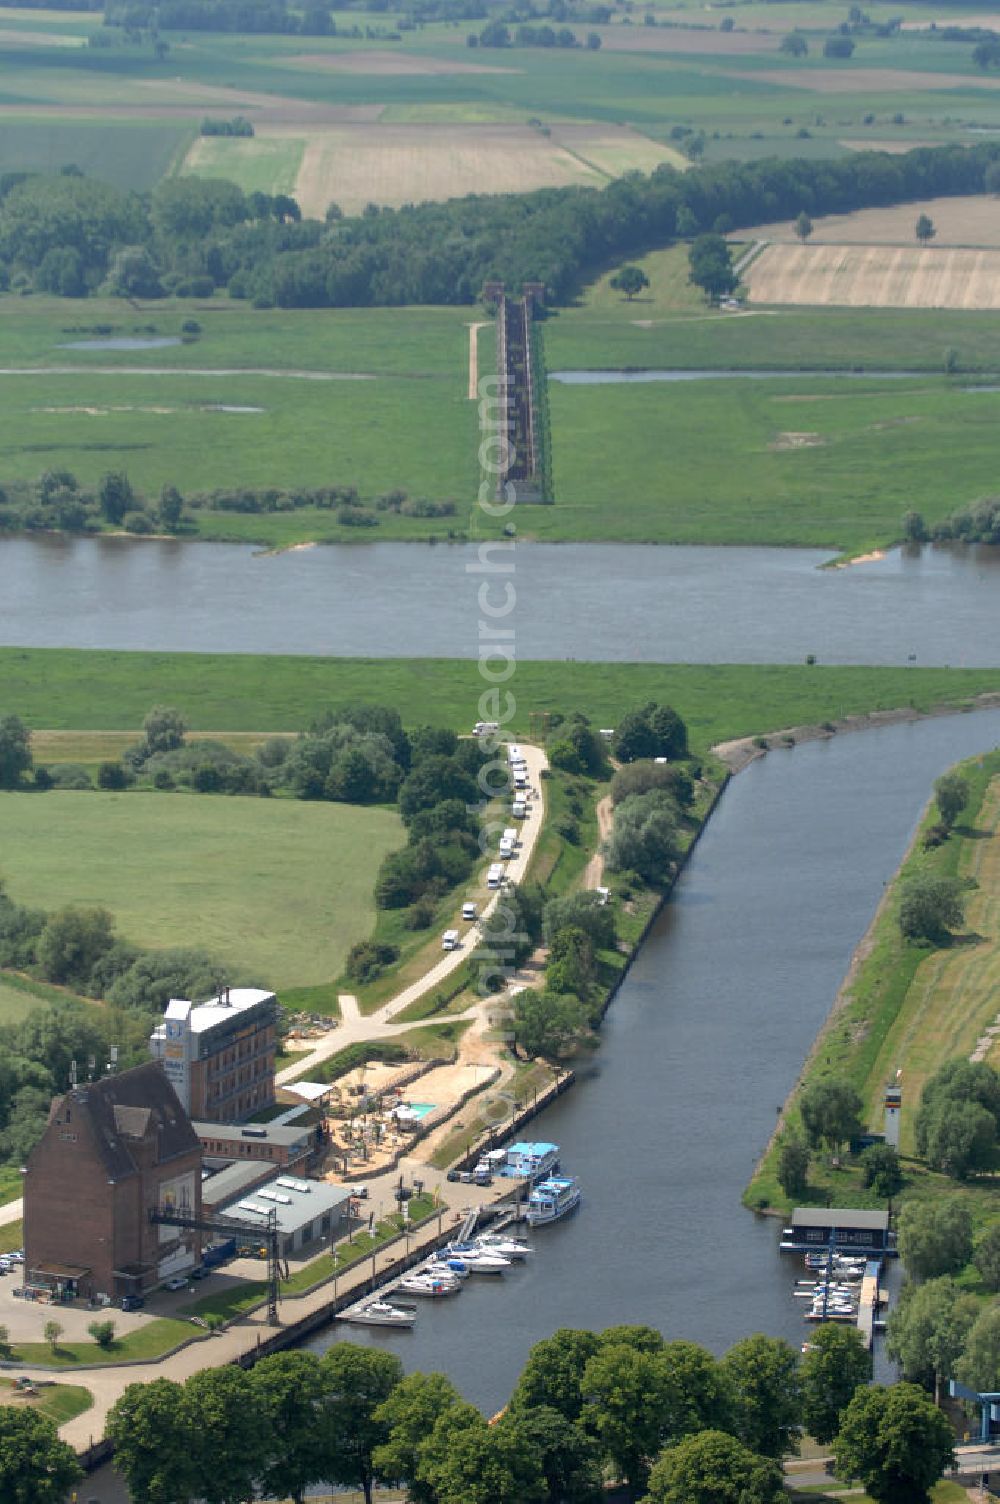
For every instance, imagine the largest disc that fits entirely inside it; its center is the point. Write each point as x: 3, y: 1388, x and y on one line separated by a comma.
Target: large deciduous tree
x: 410, y: 1414
x: 928, y: 1328
x: 630, y: 280
x: 833, y: 1369
x: 831, y: 1113
x: 15, y: 751
x: 228, y: 1435
x: 553, y: 1375
x: 36, y: 1467
x: 979, y: 1365
x: 712, y: 1467
x: 763, y: 1375
x: 355, y: 1382
x: 711, y: 267
x: 285, y: 1388
x: 952, y: 794
x: 896, y: 1442
x: 935, y: 1237
x: 931, y: 906
x: 150, y: 1428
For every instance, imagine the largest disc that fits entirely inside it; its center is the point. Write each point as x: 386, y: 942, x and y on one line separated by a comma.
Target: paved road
x: 355, y: 1026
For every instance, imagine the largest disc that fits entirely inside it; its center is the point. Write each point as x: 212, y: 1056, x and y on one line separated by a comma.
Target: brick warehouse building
x: 113, y: 1151
x: 219, y: 1056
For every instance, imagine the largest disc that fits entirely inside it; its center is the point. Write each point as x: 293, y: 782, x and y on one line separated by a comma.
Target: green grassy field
x: 14, y: 1005
x: 408, y: 424
x: 804, y: 461
x: 243, y: 692
x: 277, y: 889
x: 670, y: 327
x: 257, y: 164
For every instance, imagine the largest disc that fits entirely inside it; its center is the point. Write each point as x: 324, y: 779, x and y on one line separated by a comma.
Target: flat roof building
x: 219, y: 1055
x: 113, y: 1152
x: 285, y: 1145
x: 843, y: 1227
x: 306, y: 1210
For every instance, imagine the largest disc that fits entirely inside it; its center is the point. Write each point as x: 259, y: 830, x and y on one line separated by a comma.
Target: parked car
x: 200, y: 1273
x: 179, y: 1282
x: 132, y: 1302
x: 454, y: 1175
x: 361, y: 1191
x: 17, y: 1257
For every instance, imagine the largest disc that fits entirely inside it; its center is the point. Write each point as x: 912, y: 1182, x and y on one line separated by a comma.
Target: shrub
x: 69, y: 775
x: 103, y: 1333
x: 368, y: 959
x: 113, y: 775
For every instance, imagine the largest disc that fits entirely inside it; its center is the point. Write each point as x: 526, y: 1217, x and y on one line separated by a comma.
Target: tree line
x: 71, y: 235
x: 667, y: 1420
x: 57, y: 502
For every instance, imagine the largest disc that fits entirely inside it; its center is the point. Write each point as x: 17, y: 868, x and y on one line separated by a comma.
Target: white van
x: 510, y: 836
x: 494, y: 876
x: 449, y: 940
x: 520, y: 780
x: 469, y: 911
x: 514, y: 753
x: 519, y: 809
x: 506, y: 851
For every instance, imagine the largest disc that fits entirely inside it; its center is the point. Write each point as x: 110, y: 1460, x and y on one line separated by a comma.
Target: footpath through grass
x: 911, y: 1007
x: 71, y: 689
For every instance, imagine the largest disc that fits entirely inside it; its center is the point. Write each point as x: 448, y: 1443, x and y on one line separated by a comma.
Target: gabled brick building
x: 113, y: 1151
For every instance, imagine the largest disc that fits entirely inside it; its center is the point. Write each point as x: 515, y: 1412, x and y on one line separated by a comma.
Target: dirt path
x: 594, y: 870
x: 474, y: 359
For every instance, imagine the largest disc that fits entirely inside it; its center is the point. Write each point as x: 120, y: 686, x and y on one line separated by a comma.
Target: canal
x: 608, y: 602
x: 699, y: 1050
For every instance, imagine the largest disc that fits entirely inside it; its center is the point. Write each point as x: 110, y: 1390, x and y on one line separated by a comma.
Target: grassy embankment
x: 72, y: 690
x: 910, y: 1008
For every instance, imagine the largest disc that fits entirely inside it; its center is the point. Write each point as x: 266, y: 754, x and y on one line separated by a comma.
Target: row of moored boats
x: 551, y: 1197
x: 832, y: 1288
x: 441, y: 1276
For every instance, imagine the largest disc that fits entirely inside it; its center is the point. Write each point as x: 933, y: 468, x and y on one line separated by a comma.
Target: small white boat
x: 508, y: 1248
x: 441, y: 1265
x: 478, y: 1260
x: 432, y: 1286
x: 552, y: 1199
x: 380, y: 1313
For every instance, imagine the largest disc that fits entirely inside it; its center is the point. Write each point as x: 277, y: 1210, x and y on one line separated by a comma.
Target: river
x: 700, y: 1048
x: 614, y: 603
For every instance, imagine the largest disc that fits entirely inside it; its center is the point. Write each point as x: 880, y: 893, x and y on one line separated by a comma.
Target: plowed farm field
x: 875, y: 276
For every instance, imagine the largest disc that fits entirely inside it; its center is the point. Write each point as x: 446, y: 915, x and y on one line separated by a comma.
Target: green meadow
x: 67, y: 689
x: 377, y: 399
x: 278, y: 889
x: 807, y: 461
